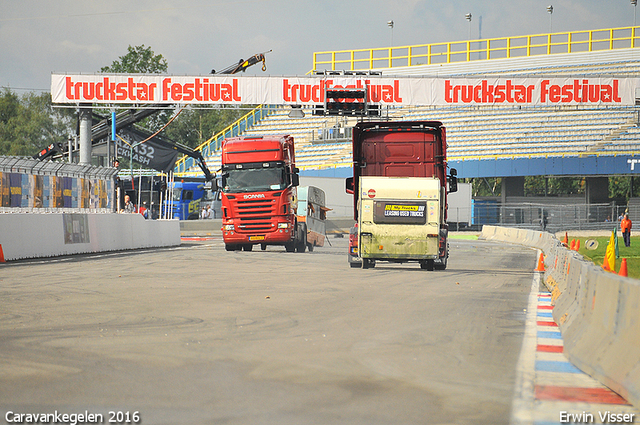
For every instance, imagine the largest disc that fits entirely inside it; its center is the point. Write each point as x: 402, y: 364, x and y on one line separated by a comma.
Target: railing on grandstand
x: 213, y: 144
x: 530, y: 216
x: 333, y: 133
x: 465, y: 51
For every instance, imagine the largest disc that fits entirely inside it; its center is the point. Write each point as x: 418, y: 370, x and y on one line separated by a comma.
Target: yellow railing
x: 471, y: 50
x: 213, y: 143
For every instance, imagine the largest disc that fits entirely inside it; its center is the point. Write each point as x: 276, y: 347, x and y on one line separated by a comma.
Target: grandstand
x: 476, y: 133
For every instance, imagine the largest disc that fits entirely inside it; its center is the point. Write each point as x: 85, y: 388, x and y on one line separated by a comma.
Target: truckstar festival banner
x: 234, y: 90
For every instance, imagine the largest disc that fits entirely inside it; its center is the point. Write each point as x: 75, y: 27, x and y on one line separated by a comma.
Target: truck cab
x: 258, y: 193
x: 185, y: 200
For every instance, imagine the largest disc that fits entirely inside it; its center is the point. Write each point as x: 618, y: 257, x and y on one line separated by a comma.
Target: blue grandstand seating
x: 476, y: 132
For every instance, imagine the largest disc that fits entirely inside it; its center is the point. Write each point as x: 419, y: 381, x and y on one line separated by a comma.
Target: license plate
x: 256, y: 238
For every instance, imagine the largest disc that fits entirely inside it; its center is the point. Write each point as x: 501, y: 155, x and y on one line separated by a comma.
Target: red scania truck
x: 259, y: 194
x: 399, y: 185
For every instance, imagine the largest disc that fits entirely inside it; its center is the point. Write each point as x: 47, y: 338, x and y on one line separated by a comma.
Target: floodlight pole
x: 634, y: 3
x: 468, y: 17
x: 390, y: 24
x: 550, y: 10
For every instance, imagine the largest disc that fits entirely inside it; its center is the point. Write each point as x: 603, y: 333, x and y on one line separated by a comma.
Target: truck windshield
x: 255, y: 179
x: 176, y: 194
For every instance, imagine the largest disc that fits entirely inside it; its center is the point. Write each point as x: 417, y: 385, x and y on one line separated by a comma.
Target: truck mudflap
x: 443, y: 254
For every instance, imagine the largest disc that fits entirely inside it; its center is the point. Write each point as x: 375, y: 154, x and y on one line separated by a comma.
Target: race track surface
x: 199, y: 335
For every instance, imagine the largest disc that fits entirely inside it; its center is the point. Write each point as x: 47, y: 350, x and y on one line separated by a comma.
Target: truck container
x: 312, y: 213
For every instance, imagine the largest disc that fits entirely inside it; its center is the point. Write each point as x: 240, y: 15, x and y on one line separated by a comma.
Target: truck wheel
x: 263, y: 246
x: 310, y: 247
x: 368, y: 263
x: 301, y: 246
x: 229, y: 247
x: 426, y: 264
x: 355, y: 265
x: 247, y: 247
x: 290, y: 246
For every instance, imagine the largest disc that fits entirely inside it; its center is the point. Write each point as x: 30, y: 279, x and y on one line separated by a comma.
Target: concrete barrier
x: 24, y: 235
x: 598, y: 312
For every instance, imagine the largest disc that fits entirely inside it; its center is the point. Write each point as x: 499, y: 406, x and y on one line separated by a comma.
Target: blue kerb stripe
x: 550, y: 366
x: 544, y: 314
x: 549, y: 334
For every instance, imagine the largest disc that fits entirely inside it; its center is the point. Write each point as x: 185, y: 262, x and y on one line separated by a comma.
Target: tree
x: 138, y: 60
x: 29, y: 123
x: 193, y: 126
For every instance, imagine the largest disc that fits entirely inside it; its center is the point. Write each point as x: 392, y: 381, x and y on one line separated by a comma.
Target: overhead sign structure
x: 397, y: 91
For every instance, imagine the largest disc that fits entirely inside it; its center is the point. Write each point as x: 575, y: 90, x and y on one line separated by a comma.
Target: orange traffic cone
x: 605, y: 264
x: 572, y: 245
x: 540, y: 263
x: 623, y: 268
x: 1, y: 255
x: 566, y: 238
x: 577, y: 245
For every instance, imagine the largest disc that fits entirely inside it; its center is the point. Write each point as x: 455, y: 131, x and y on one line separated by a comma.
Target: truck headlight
x: 229, y: 227
x: 283, y: 225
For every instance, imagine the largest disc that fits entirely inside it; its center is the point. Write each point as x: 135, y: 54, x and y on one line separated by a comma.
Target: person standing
x: 625, y: 226
x: 206, y: 213
x: 128, y: 205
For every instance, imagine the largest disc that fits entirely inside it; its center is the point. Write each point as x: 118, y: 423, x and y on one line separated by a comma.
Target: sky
x: 38, y: 37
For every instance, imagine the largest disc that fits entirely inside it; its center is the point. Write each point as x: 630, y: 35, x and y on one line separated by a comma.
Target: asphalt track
x: 198, y: 335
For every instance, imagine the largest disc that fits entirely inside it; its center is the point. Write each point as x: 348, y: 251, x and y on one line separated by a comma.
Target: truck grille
x: 255, y: 215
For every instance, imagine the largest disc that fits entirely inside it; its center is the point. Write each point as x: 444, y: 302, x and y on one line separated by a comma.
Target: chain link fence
x: 32, y: 186
x: 550, y: 217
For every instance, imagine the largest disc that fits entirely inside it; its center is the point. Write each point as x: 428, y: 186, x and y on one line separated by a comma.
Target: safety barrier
x: 56, y: 234
x: 598, y: 312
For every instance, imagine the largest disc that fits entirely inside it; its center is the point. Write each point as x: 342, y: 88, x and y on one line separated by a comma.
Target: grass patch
x: 632, y: 253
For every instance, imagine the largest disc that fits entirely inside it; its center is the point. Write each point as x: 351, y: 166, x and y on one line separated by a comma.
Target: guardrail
x: 598, y: 312
x: 29, y: 185
x: 483, y: 49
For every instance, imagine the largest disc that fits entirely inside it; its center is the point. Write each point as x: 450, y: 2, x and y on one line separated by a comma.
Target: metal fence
x: 29, y: 185
x: 538, y: 216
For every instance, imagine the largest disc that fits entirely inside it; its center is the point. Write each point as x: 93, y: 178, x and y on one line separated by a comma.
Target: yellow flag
x: 611, y: 253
